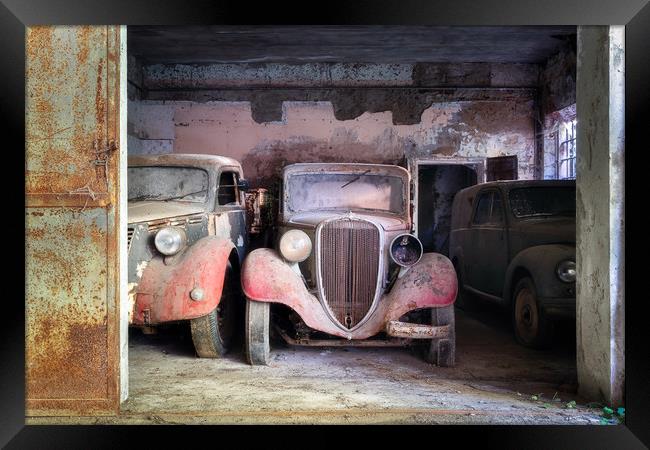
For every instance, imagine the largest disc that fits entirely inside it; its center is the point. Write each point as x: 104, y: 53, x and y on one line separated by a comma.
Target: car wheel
x: 532, y: 327
x: 212, y: 333
x: 256, y: 336
x: 462, y: 297
x: 442, y: 351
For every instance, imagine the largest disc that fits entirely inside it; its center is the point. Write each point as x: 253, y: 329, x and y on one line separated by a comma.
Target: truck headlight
x: 566, y: 271
x: 406, y: 250
x: 295, y: 246
x: 170, y: 240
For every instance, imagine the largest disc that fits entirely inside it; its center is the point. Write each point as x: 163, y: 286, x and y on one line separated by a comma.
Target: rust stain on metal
x: 72, y: 289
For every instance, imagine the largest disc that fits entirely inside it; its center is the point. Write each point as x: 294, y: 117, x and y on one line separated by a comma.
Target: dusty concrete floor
x: 493, y: 383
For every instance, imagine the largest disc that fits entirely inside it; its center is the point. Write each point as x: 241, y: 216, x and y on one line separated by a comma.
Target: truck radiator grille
x: 349, y: 263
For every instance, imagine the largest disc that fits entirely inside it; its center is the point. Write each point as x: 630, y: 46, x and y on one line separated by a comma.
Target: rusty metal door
x: 72, y: 219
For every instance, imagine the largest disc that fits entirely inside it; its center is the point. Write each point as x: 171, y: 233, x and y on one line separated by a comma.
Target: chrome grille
x: 349, y: 263
x: 129, y: 233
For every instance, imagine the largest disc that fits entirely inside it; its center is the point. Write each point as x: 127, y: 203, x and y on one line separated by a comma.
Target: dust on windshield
x: 188, y: 184
x: 345, y: 191
x: 543, y: 201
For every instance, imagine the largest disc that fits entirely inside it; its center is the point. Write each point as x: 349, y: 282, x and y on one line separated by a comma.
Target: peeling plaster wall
x: 310, y: 132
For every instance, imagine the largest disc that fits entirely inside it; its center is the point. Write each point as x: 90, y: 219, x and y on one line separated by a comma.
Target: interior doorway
x: 436, y: 185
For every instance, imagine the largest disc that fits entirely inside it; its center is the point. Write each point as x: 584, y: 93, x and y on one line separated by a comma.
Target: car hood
x: 146, y: 211
x: 546, y: 230
x: 313, y: 218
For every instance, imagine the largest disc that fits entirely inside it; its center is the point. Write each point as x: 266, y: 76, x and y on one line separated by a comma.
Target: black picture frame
x: 16, y: 14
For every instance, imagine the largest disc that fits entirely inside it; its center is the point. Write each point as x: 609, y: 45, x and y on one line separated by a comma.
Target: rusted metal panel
x: 72, y: 232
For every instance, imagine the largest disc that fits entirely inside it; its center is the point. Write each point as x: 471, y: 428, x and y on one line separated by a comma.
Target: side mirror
x: 243, y: 185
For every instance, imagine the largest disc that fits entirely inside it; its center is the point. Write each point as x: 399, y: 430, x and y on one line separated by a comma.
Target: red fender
x: 431, y: 283
x: 164, y: 290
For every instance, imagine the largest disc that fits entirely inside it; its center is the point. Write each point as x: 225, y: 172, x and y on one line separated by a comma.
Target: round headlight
x: 295, y: 246
x: 170, y: 240
x: 566, y: 271
x: 406, y: 250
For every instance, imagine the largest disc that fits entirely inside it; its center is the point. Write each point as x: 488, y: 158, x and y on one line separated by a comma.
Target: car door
x: 229, y: 211
x: 487, y: 250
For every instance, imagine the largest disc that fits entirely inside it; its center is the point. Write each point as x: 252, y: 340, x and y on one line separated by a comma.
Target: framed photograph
x: 369, y: 213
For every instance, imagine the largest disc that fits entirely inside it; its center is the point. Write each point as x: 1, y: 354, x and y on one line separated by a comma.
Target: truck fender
x: 267, y: 277
x: 430, y: 283
x: 163, y: 294
x: 540, y: 262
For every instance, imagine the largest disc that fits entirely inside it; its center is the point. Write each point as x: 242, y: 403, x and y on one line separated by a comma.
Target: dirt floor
x: 495, y: 381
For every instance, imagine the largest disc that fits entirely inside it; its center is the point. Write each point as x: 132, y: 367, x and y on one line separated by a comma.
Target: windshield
x: 188, y: 184
x: 543, y: 201
x: 346, y: 191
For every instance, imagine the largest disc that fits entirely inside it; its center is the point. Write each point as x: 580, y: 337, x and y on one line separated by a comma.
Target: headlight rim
x: 310, y: 246
x: 181, y: 244
x: 390, y: 249
x: 560, y: 274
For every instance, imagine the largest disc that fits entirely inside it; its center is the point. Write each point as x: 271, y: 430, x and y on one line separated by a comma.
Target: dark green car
x: 513, y: 242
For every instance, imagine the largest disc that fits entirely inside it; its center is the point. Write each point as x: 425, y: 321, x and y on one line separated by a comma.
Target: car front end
x: 345, y: 260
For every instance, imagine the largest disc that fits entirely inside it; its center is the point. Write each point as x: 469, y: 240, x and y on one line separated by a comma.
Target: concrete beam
x: 327, y: 75
x: 600, y: 213
x: 406, y: 103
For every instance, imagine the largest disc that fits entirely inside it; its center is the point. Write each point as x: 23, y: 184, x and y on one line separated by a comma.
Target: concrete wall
x: 600, y: 213
x: 269, y: 115
x: 557, y: 101
x: 309, y: 132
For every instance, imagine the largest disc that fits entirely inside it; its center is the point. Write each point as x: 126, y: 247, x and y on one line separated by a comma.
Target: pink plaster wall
x: 309, y: 132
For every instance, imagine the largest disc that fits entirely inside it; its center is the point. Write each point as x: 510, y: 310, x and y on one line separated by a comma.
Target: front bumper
x: 399, y: 329
x: 558, y: 308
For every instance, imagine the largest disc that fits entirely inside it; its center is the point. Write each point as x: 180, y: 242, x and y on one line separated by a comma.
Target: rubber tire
x: 210, y: 335
x: 442, y: 351
x: 256, y: 336
x: 463, y: 298
x: 539, y: 333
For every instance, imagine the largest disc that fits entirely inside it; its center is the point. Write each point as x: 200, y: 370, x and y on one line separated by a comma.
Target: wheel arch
x: 539, y: 263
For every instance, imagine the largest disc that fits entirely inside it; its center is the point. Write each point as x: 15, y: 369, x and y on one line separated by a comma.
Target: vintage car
x: 513, y: 242
x: 346, y: 267
x: 186, y: 241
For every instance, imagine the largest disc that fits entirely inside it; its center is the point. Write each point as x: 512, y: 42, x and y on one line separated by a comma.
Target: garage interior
x: 443, y: 102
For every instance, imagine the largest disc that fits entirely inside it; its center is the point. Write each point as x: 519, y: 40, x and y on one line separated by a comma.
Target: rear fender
x: 163, y: 294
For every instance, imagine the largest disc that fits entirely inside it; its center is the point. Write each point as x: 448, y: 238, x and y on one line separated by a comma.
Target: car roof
x: 183, y: 159
x: 509, y: 184
x: 346, y: 167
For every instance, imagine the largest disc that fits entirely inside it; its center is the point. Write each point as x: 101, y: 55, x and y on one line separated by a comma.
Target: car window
x: 497, y: 209
x: 227, y: 190
x: 482, y: 213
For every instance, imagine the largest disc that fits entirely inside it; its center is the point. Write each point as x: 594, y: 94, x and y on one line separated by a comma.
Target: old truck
x: 514, y: 243
x: 186, y: 242
x: 346, y: 268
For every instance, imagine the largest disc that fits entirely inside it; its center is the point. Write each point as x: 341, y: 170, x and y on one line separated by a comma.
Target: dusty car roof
x: 346, y: 167
x: 508, y: 184
x: 183, y: 159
